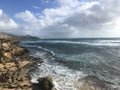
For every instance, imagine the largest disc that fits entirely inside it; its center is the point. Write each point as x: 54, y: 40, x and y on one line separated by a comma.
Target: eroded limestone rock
x: 13, y: 65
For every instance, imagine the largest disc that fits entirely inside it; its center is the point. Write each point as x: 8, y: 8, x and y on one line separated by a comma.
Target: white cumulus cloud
x: 75, y: 18
x: 6, y: 23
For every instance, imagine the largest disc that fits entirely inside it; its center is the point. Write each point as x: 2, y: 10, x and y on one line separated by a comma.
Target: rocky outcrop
x: 44, y: 83
x: 14, y: 65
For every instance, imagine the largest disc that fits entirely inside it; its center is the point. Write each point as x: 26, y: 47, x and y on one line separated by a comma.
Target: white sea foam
x: 47, y: 50
x: 85, y: 42
x: 63, y: 77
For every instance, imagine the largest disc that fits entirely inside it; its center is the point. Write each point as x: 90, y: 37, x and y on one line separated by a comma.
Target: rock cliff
x: 14, y: 65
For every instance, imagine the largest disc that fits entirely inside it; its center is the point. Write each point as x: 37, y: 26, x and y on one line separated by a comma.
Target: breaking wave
x: 66, y: 61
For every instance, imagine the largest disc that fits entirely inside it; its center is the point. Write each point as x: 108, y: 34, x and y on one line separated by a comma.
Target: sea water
x: 68, y: 60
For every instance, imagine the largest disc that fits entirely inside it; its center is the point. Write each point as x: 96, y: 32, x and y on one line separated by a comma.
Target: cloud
x: 6, y: 23
x: 74, y: 18
x: 26, y: 16
x: 1, y: 12
x: 9, y: 25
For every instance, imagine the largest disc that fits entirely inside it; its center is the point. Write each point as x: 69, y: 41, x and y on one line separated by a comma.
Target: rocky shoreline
x: 16, y: 63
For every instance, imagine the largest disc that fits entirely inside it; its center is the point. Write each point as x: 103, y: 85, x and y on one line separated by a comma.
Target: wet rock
x: 44, y: 83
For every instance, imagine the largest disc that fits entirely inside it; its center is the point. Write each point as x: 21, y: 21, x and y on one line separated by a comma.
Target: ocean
x: 68, y: 60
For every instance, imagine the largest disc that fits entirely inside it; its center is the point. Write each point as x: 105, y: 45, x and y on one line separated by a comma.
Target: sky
x: 61, y: 18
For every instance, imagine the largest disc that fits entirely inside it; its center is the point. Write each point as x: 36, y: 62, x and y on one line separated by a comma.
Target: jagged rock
x: 1, y: 67
x: 6, y: 46
x: 24, y: 63
x: 13, y: 65
x: 19, y: 51
x: 8, y: 55
x: 25, y: 84
x: 44, y: 83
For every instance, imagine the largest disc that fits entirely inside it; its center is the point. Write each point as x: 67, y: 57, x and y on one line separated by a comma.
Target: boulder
x: 44, y: 83
x: 19, y: 51
x: 6, y: 46
x: 8, y: 55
